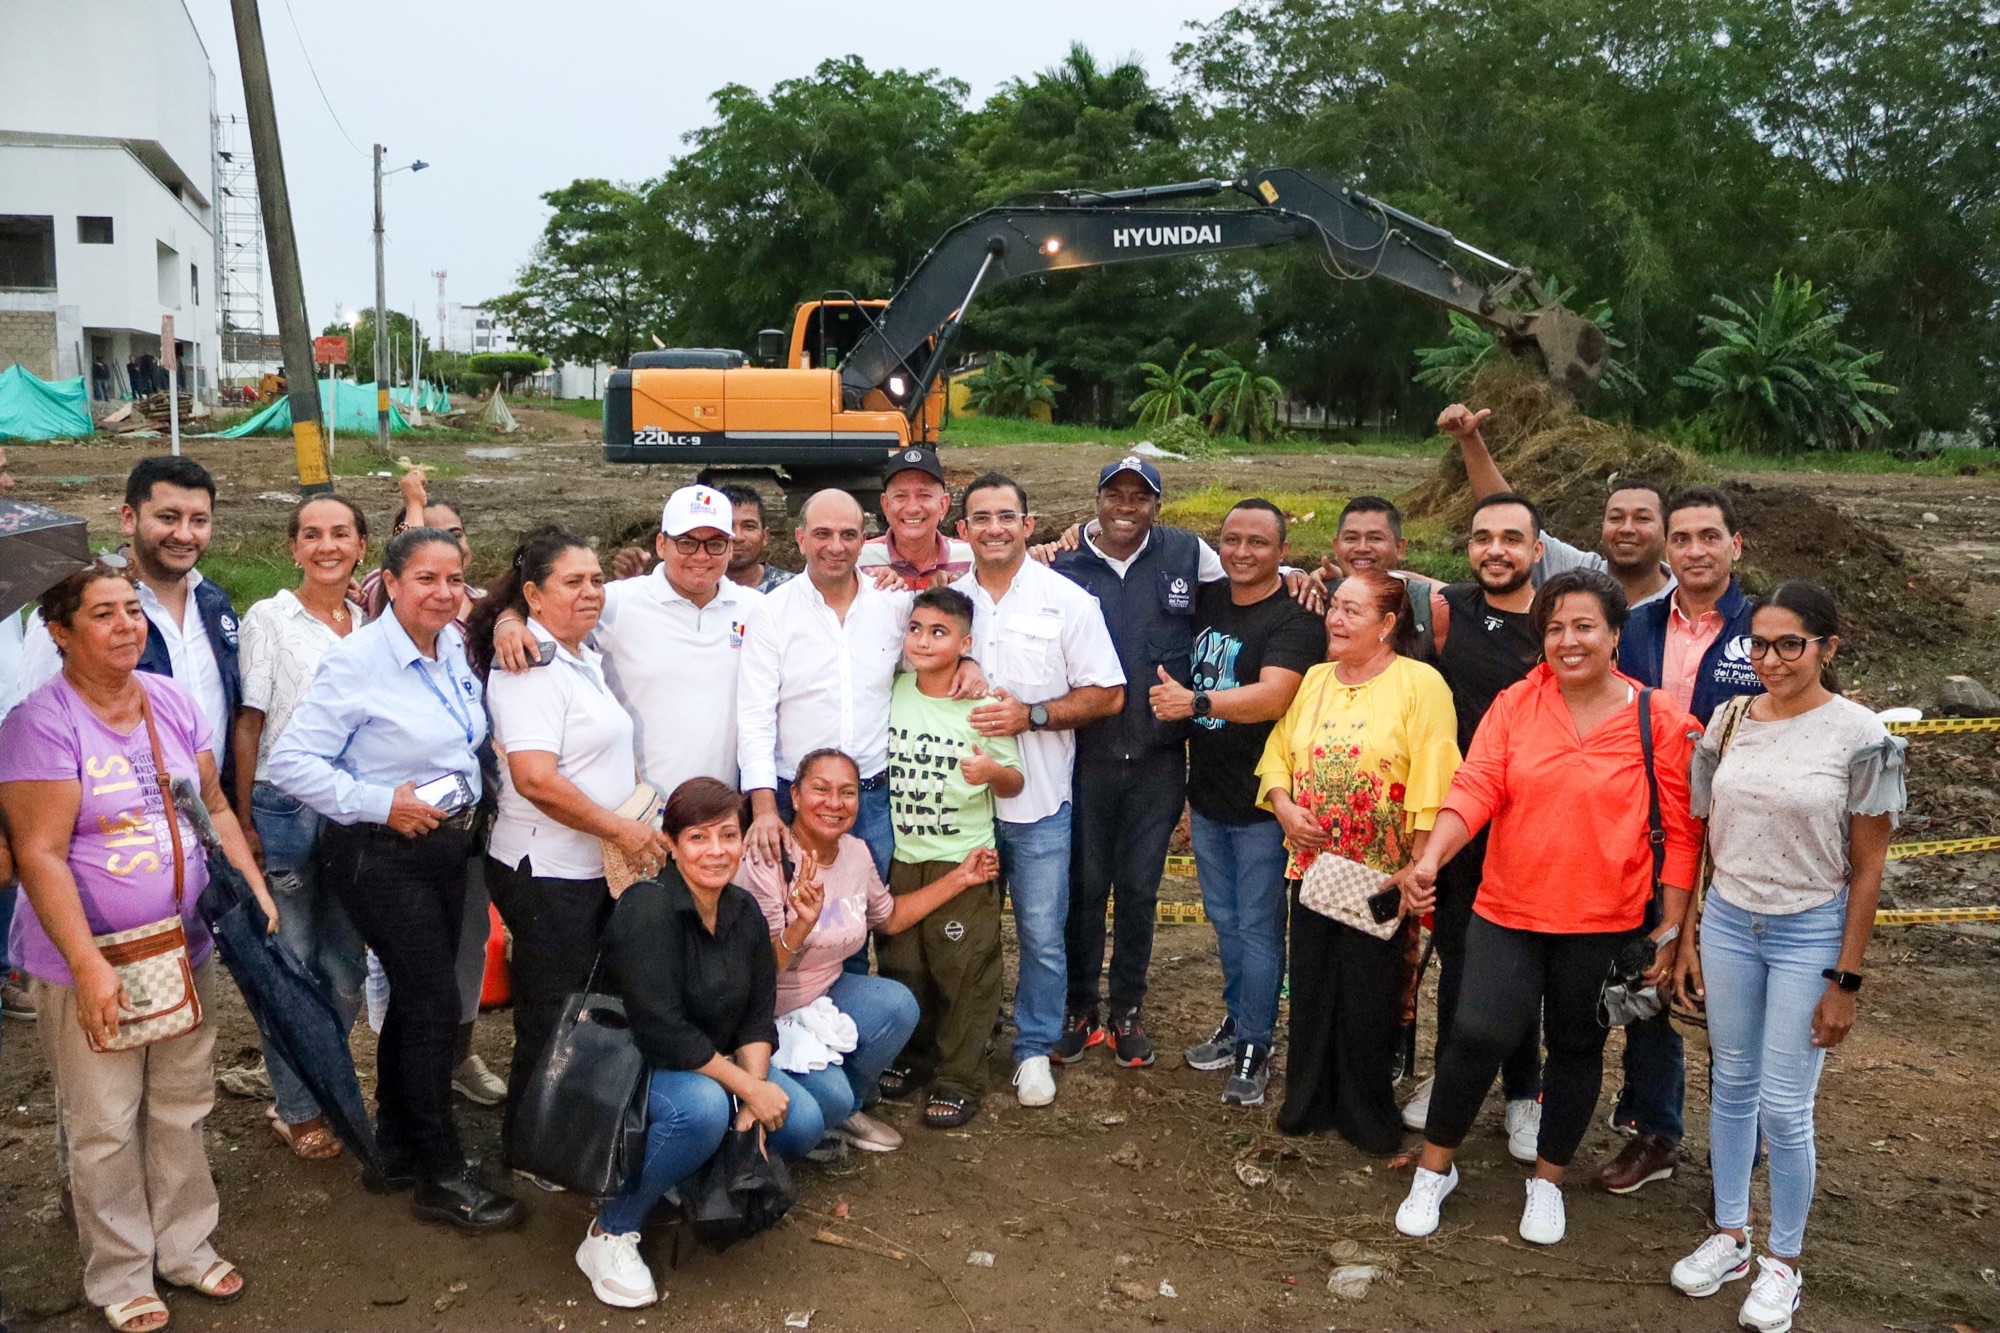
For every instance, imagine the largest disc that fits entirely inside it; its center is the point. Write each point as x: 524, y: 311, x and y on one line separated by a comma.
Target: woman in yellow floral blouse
x: 1357, y: 767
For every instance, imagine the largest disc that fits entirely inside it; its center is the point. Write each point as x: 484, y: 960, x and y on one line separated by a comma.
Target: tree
x: 1169, y: 393
x: 586, y: 293
x: 505, y: 366
x: 1779, y: 380
x: 1237, y: 400
x: 1009, y: 386
x: 361, y: 343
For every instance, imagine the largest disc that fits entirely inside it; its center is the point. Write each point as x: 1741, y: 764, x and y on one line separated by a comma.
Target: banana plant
x: 1169, y: 393
x: 1237, y: 400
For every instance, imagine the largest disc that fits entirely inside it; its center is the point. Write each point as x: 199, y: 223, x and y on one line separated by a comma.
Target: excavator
x: 857, y: 379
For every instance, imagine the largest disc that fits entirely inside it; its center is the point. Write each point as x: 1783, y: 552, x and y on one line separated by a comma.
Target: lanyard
x: 461, y: 716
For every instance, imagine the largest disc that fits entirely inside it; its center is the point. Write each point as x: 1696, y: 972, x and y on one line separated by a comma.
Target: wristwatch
x: 1201, y: 703
x: 1847, y: 981
x: 1038, y: 717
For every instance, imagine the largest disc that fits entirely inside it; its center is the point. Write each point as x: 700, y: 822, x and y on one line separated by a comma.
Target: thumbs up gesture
x: 979, y: 767
x: 1460, y: 421
x: 1171, y: 700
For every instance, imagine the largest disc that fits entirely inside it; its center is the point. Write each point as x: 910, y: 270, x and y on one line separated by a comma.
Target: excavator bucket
x: 1574, y: 349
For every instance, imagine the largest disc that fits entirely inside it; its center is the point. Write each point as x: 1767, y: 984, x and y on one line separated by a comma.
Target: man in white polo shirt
x: 1042, y: 643
x: 670, y: 641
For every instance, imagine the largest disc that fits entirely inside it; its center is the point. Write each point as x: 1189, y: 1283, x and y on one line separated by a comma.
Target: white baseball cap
x: 693, y: 507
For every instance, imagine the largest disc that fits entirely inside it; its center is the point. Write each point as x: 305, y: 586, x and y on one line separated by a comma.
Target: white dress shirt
x: 1209, y: 564
x: 567, y: 710
x: 673, y: 665
x: 1044, y: 637
x: 281, y: 647
x: 190, y: 654
x: 810, y: 678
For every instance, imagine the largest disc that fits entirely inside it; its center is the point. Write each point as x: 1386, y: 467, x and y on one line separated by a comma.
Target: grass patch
x: 1943, y: 463
x: 971, y: 431
x: 1314, y: 517
x: 1372, y: 446
x: 251, y: 567
x: 365, y: 462
x: 589, y: 409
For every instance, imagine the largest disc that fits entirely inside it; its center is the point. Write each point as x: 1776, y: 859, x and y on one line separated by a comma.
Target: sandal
x: 896, y: 1083
x: 126, y: 1314
x: 949, y: 1110
x: 310, y: 1140
x: 208, y: 1285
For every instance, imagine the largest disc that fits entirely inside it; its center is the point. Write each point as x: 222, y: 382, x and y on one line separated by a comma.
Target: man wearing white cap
x: 671, y: 640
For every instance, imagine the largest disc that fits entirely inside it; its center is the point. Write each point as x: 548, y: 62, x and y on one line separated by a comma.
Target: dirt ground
x: 1131, y: 1181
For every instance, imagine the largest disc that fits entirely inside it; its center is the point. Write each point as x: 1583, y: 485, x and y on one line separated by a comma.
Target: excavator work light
x: 1051, y: 246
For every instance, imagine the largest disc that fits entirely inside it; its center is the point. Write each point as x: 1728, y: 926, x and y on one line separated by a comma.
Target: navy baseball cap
x: 1131, y: 463
x: 916, y: 458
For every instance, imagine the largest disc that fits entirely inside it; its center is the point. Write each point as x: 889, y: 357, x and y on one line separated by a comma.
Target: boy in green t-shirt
x: 943, y: 778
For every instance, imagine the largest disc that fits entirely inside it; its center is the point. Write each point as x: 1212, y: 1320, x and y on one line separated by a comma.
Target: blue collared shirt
x: 378, y: 714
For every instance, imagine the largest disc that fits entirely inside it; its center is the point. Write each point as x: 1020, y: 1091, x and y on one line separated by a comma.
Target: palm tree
x: 1237, y: 399
x: 1010, y: 385
x: 1060, y: 101
x: 1778, y: 378
x: 1169, y: 393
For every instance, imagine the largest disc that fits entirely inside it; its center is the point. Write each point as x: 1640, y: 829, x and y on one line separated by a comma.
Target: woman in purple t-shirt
x: 95, y: 854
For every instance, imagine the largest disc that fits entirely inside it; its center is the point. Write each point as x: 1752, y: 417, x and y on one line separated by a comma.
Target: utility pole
x: 302, y: 385
x: 381, y: 323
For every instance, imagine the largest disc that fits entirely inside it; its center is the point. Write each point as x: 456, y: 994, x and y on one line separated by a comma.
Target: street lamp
x: 382, y: 307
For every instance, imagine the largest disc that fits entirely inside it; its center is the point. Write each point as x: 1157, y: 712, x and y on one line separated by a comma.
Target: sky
x: 507, y: 99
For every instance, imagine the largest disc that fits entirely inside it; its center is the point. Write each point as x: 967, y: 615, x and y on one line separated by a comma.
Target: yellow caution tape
x: 1181, y: 865
x: 1922, y: 916
x: 1944, y: 726
x: 1900, y: 851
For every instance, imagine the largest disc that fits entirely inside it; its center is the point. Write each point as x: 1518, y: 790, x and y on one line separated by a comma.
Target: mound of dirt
x: 1567, y: 461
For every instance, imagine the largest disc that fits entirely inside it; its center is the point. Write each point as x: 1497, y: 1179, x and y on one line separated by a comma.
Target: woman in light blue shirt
x: 384, y: 745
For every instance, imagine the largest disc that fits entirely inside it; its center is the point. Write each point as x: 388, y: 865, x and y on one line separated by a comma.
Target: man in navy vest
x: 1131, y: 769
x: 168, y: 516
x: 1694, y: 645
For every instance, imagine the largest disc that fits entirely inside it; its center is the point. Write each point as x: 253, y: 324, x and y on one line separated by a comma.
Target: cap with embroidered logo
x: 1131, y: 463
x: 693, y: 507
x: 916, y: 458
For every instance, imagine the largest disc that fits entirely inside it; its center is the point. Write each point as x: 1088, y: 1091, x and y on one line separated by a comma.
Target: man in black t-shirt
x: 1253, y: 645
x: 1485, y: 642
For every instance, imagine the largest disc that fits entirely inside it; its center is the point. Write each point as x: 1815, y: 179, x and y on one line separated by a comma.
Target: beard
x: 1511, y: 582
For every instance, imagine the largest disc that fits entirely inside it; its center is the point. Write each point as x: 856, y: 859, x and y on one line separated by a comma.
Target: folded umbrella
x: 38, y: 549
x: 291, y: 1006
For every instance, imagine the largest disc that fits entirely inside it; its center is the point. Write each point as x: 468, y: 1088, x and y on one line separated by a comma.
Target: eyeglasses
x: 712, y: 545
x: 994, y: 518
x: 1789, y: 647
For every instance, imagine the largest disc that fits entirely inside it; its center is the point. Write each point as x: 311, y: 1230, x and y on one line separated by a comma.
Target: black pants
x: 1511, y: 976
x: 1345, y: 1019
x: 1457, y: 886
x: 557, y: 925
x: 407, y: 898
x: 1124, y: 815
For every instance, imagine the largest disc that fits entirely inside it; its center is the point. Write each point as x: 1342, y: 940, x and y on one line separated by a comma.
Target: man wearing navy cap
x: 915, y: 501
x: 1131, y: 768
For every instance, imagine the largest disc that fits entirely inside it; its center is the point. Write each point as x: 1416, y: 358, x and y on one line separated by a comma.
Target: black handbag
x: 741, y: 1190
x: 582, y: 1119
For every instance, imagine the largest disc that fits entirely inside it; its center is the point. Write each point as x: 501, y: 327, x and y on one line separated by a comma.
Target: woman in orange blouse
x: 1557, y: 768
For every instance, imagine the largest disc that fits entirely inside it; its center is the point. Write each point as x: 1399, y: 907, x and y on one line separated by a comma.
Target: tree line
x: 1656, y: 158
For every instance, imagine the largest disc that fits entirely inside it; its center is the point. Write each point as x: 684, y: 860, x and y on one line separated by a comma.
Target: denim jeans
x: 872, y: 826
x: 310, y: 923
x: 1124, y: 812
x: 884, y: 1014
x: 1763, y: 979
x: 1034, y: 859
x: 686, y: 1116
x: 1242, y: 872
x: 1655, y: 1088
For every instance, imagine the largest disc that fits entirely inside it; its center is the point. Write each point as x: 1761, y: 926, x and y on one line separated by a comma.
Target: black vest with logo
x: 1150, y: 613
x: 1485, y: 651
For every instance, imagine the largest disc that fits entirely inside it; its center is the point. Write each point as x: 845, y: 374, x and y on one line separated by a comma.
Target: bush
x: 1186, y: 435
x: 1010, y: 385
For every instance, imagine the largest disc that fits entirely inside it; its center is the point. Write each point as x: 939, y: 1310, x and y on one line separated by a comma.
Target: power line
x: 317, y: 84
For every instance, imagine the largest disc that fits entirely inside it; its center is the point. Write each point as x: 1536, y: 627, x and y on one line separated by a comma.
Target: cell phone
x: 545, y: 653
x: 1386, y: 906
x: 448, y: 793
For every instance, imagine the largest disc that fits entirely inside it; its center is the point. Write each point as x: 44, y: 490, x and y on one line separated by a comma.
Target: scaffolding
x: 247, y: 349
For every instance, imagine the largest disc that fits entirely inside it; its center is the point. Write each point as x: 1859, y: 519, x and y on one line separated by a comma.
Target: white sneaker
x: 476, y: 1083
x: 1417, y: 1110
x: 618, y: 1276
x: 1034, y: 1085
x: 1543, y: 1221
x: 1418, y: 1214
x: 1524, y: 1128
x: 1773, y: 1298
x: 1719, y: 1259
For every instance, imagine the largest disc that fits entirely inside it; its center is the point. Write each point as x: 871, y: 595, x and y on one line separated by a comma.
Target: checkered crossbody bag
x: 152, y: 960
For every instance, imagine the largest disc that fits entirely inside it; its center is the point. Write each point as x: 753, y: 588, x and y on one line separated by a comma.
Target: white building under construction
x: 108, y: 196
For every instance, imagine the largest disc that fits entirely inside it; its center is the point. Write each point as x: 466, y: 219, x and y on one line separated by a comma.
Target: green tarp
x: 348, y: 407
x: 32, y: 408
